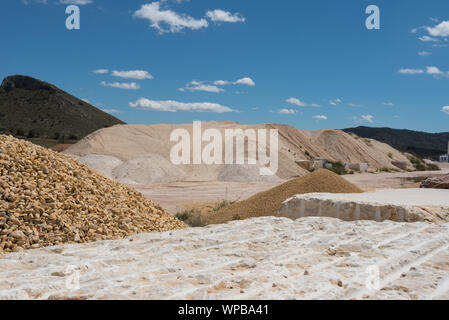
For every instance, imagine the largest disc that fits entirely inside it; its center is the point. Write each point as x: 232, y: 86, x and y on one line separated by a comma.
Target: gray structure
x: 445, y: 157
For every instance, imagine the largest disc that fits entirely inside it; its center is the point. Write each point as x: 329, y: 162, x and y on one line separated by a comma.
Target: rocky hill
x: 35, y: 109
x: 423, y: 144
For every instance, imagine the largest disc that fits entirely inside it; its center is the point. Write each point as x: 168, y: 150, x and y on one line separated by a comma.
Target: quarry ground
x: 264, y: 258
x: 385, y: 180
x: 174, y: 196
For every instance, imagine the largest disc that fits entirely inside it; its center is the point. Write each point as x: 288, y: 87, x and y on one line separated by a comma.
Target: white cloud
x: 287, y: 111
x: 320, y: 117
x: 388, y: 104
x: 200, y: 86
x: 246, y: 81
x: 352, y: 105
x: 174, y: 106
x: 433, y: 70
x: 174, y: 21
x: 206, y: 88
x: 440, y: 30
x: 296, y: 102
x: 424, y: 53
x: 428, y: 39
x: 121, y: 85
x: 221, y: 83
x: 37, y: 1
x: 132, y: 74
x: 445, y: 109
x: 209, y: 86
x: 76, y: 2
x: 85, y: 100
x: 224, y: 16
x: 335, y: 102
x: 411, y: 71
x: 368, y: 118
x: 101, y: 71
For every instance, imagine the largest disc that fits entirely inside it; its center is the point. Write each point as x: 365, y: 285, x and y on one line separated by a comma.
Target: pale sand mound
x: 150, y: 169
x: 257, y: 259
x: 47, y: 198
x: 245, y: 173
x: 268, y: 203
x: 128, y: 142
x: 101, y: 163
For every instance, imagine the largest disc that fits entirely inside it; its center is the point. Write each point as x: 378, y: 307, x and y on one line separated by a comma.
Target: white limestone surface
x: 264, y: 258
x: 401, y: 205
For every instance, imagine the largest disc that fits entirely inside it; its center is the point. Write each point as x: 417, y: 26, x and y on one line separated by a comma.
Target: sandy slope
x: 129, y: 142
x: 264, y: 258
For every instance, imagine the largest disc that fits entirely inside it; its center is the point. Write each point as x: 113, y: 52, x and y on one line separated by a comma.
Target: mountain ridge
x: 423, y: 144
x: 33, y: 108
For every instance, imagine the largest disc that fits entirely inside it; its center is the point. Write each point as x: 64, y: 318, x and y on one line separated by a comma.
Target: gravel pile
x: 47, y: 199
x: 268, y: 203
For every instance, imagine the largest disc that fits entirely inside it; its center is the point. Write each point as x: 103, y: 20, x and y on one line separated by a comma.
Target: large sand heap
x: 47, y: 198
x: 130, y: 142
x: 268, y: 203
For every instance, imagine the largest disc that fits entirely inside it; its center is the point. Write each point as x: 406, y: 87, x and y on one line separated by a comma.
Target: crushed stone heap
x: 47, y: 199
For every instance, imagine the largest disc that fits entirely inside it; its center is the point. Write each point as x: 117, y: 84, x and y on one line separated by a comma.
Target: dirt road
x: 171, y: 196
x: 385, y: 180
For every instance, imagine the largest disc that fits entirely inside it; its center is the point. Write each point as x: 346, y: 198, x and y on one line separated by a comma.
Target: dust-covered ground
x: 172, y: 197
x: 386, y: 180
x: 264, y: 258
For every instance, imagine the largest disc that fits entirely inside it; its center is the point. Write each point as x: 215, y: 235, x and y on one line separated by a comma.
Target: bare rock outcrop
x: 436, y: 183
x: 402, y: 205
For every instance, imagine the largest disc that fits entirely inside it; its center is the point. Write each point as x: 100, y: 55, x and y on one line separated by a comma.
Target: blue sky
x: 308, y: 63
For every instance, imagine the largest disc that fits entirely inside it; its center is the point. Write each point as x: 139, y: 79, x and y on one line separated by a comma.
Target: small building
x: 310, y: 165
x: 445, y: 157
x: 329, y: 166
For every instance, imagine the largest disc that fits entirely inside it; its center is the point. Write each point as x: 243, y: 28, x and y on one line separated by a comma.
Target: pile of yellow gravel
x: 268, y: 203
x: 47, y: 198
